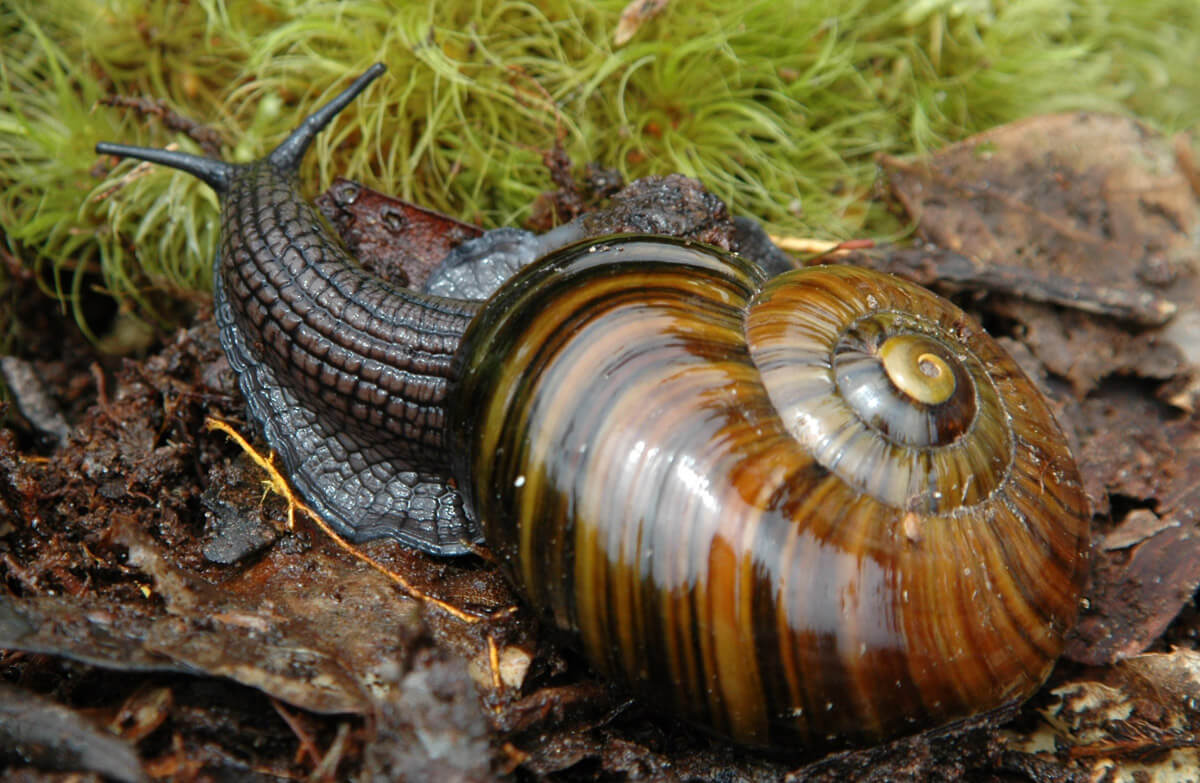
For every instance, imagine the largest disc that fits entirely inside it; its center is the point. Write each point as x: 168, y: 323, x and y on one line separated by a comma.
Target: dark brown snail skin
x: 817, y: 508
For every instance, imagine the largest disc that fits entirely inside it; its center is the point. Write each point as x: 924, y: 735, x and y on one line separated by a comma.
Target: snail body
x: 815, y: 507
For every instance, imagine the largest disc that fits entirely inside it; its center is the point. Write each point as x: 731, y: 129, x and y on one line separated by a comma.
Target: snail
x: 799, y: 509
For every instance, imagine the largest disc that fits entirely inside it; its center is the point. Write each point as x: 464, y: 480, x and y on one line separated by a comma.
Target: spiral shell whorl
x: 639, y: 482
x: 971, y: 506
x: 822, y: 339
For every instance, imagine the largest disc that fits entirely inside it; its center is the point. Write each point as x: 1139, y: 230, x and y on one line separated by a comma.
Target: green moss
x: 779, y: 108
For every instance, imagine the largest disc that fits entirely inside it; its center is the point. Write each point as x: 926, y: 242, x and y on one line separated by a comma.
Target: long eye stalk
x: 218, y: 174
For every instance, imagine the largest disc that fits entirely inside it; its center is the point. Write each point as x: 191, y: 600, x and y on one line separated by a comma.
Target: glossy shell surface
x: 718, y: 485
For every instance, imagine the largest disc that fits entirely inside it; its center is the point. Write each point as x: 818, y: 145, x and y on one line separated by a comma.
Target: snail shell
x: 822, y: 506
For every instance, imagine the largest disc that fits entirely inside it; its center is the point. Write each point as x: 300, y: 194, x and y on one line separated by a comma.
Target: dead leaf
x: 54, y: 737
x: 1135, y: 594
x: 1138, y: 525
x: 396, y: 240
x: 1137, y: 721
x: 1089, y: 196
x: 1098, y: 199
